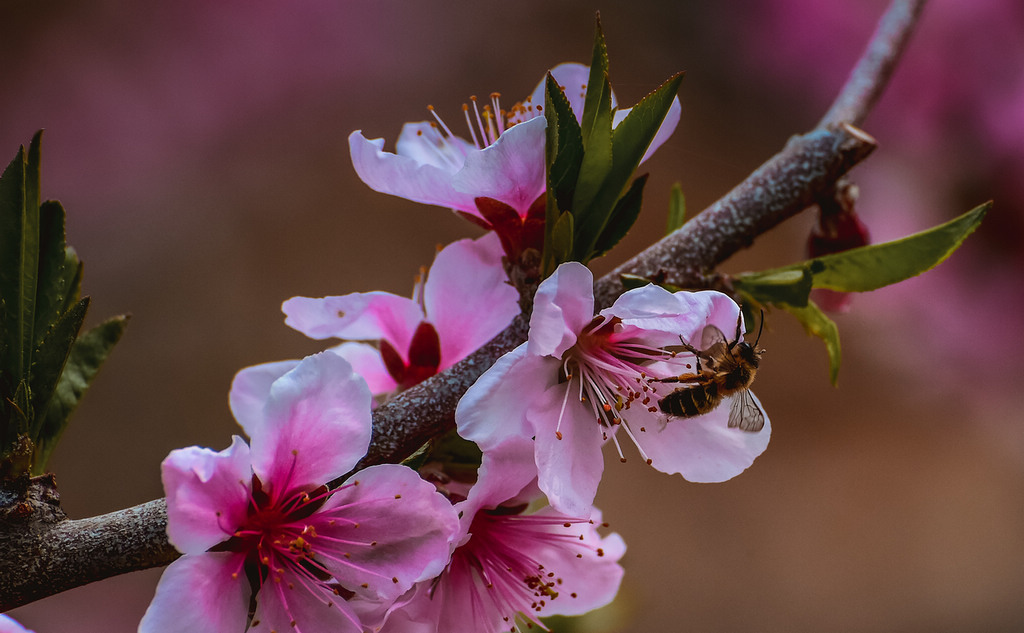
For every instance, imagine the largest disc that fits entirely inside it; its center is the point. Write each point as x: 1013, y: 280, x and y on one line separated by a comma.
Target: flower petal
x: 568, y: 467
x: 359, y: 316
x: 404, y: 176
x: 704, y: 449
x: 251, y: 387
x: 315, y: 427
x: 573, y: 78
x: 426, y: 144
x: 590, y: 577
x: 493, y: 410
x: 367, y: 362
x: 467, y: 297
x: 510, y: 170
x: 207, y: 494
x: 387, y: 529
x: 203, y: 593
x: 289, y: 605
x: 506, y: 473
x: 562, y: 307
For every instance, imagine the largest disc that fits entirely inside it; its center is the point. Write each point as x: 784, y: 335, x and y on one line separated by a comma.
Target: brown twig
x: 45, y: 559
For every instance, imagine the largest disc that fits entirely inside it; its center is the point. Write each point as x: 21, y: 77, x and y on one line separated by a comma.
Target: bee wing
x: 745, y: 413
x: 710, y: 336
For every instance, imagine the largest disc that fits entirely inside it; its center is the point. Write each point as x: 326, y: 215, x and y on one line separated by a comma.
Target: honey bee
x: 729, y: 368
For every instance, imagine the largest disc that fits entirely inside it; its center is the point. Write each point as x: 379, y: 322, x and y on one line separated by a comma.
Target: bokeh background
x: 200, y: 149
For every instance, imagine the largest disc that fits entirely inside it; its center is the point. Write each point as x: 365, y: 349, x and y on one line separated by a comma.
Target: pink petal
x: 569, y: 469
x: 704, y: 449
x: 510, y: 170
x: 366, y: 361
x: 290, y: 605
x: 573, y: 78
x: 426, y: 144
x: 197, y: 594
x: 391, y: 529
x: 493, y: 410
x: 505, y: 473
x: 315, y: 425
x: 360, y: 316
x: 562, y: 307
x: 404, y: 176
x: 207, y: 494
x: 681, y: 314
x: 251, y: 387
x: 588, y: 582
x: 467, y: 297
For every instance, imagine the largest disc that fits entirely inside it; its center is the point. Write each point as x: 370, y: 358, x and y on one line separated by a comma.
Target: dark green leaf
x: 598, y: 99
x: 791, y: 286
x: 626, y: 211
x: 59, y: 270
x: 676, y: 208
x: 878, y: 265
x: 561, y: 242
x: 817, y: 324
x: 19, y: 232
x: 87, y: 355
x: 633, y: 135
x: 563, y: 153
x: 50, y: 357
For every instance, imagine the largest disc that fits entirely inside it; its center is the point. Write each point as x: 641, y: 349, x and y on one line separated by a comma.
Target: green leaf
x: 87, y: 355
x: 676, y: 209
x: 60, y: 271
x: 871, y: 267
x: 19, y: 232
x: 50, y: 358
x: 623, y: 216
x: 563, y: 154
x: 817, y: 324
x: 598, y: 100
x: 791, y: 286
x: 561, y: 241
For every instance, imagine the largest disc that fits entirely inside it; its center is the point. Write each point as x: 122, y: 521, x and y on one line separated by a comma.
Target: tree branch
x: 41, y: 559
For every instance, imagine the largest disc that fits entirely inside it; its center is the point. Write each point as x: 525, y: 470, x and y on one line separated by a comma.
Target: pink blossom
x: 258, y: 526
x: 580, y: 377
x: 464, y: 302
x: 504, y: 162
x: 511, y: 566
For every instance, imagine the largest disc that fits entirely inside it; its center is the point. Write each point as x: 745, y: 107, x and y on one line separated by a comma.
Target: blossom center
x: 504, y: 556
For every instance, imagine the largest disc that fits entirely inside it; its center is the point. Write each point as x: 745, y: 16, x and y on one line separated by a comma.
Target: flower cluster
x: 278, y: 534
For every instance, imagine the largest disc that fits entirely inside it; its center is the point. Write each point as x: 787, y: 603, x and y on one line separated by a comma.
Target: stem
x: 43, y: 558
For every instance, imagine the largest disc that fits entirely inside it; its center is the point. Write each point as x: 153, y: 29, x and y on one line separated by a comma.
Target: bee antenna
x: 759, y: 329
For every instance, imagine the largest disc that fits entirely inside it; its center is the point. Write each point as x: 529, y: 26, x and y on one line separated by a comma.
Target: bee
x: 729, y: 368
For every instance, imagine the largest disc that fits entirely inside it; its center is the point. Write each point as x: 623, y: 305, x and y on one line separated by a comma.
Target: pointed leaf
x: 633, y: 135
x: 87, y: 355
x: 18, y: 232
x: 878, y: 265
x: 676, y: 208
x: 561, y: 243
x: 623, y: 216
x: 563, y: 153
x: 564, y: 147
x: 599, y: 94
x: 59, y: 270
x: 791, y: 286
x: 817, y: 324
x: 49, y: 359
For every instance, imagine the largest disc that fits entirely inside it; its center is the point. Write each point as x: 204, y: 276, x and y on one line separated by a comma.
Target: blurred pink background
x: 200, y: 149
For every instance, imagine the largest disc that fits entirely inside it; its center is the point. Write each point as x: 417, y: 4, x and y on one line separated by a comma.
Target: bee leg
x: 682, y: 378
